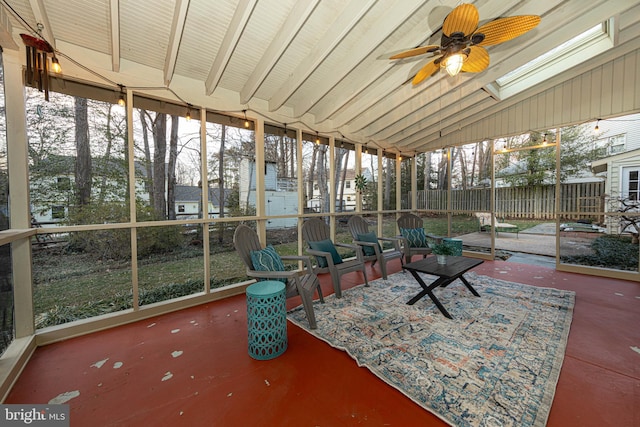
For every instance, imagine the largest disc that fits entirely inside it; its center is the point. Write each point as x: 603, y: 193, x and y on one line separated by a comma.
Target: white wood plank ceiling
x: 321, y: 65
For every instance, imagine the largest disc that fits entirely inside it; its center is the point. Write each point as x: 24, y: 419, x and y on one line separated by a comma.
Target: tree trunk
x: 443, y: 172
x: 338, y: 173
x: 159, y: 156
x: 473, y: 164
x: 387, y: 183
x: 281, y: 160
x: 83, y: 150
x: 292, y: 157
x: 322, y: 178
x: 148, y: 163
x: 221, y: 183
x: 427, y: 171
x: 312, y: 169
x: 171, y: 168
x: 344, y: 175
x: 107, y: 156
x: 463, y: 166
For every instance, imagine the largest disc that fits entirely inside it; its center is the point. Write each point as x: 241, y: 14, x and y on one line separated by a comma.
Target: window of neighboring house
x: 617, y: 144
x: 630, y: 181
x: 348, y: 198
x: 64, y: 183
x: 315, y: 186
x: 347, y: 184
x: 180, y: 208
x: 611, y: 145
x: 57, y: 212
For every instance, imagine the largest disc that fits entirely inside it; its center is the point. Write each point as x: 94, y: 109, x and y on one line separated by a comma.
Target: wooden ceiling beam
x: 232, y: 36
x: 114, y: 12
x: 294, y: 22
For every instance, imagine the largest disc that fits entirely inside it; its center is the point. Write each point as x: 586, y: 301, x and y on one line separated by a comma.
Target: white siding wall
x: 279, y: 203
x: 626, y: 125
x: 248, y: 178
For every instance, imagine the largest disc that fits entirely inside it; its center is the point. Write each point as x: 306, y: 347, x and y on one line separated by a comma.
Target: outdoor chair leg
x: 307, y: 304
x: 364, y: 273
x: 319, y: 289
x: 383, y: 269
x: 335, y: 278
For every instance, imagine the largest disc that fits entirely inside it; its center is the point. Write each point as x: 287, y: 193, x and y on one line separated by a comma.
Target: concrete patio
x: 538, y: 240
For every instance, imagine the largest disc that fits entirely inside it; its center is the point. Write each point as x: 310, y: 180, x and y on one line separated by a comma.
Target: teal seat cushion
x: 326, y: 246
x: 416, y: 237
x: 267, y: 259
x: 369, y: 238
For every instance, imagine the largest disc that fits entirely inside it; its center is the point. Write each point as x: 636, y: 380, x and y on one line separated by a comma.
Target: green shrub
x: 609, y: 252
x: 116, y: 243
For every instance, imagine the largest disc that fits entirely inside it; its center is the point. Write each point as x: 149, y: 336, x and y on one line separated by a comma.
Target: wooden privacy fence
x: 582, y: 200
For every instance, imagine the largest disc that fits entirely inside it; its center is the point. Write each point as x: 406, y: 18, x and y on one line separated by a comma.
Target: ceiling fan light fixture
x: 462, y: 43
x: 453, y: 64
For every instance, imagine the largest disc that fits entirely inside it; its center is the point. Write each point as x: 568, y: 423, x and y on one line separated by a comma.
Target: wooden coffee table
x: 454, y: 269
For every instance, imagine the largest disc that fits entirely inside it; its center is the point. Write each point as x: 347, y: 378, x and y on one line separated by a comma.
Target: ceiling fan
x: 461, y: 47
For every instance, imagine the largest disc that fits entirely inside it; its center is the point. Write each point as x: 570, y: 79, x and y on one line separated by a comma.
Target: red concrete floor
x: 191, y: 368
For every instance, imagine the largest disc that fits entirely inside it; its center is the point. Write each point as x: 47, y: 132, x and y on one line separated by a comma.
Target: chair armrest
x: 370, y: 244
x: 327, y: 256
x: 403, y: 240
x: 347, y: 245
x: 356, y: 248
x: 305, y: 259
x: 394, y: 240
x: 287, y: 274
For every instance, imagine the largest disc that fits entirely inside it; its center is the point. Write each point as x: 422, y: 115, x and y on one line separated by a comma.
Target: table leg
x: 426, y: 290
x: 468, y: 285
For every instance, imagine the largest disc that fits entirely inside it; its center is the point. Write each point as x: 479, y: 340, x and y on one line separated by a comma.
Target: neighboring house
x: 621, y: 168
x: 348, y: 202
x: 281, y: 199
x: 622, y: 173
x: 52, y: 191
x: 189, y: 199
x: 621, y: 134
x: 519, y: 168
x: 51, y: 185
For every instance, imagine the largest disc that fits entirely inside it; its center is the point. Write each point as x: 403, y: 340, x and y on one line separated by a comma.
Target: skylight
x: 567, y: 55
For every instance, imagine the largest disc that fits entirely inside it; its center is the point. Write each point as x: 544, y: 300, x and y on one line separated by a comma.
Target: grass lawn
x: 70, y: 286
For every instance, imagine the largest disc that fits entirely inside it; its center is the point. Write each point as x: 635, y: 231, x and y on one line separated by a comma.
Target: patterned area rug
x: 495, y: 364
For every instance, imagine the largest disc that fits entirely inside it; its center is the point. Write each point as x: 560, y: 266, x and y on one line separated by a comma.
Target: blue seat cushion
x: 267, y: 259
x: 369, y: 238
x: 416, y: 237
x: 326, y: 246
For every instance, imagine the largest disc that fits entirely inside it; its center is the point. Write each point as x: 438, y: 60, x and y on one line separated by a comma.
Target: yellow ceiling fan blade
x: 415, y: 52
x: 478, y: 60
x: 504, y: 29
x: 463, y: 19
x: 427, y: 71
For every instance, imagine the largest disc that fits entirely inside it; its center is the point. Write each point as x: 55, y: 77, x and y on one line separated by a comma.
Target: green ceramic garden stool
x: 456, y: 243
x: 267, y: 319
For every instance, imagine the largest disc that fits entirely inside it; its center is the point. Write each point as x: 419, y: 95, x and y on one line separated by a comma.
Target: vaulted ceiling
x: 321, y: 65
